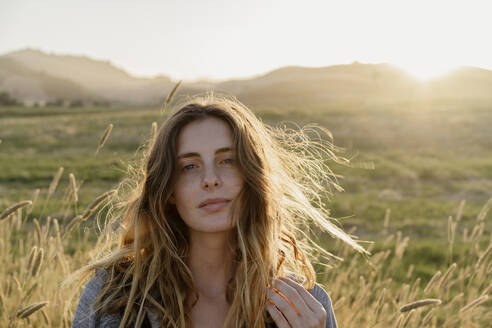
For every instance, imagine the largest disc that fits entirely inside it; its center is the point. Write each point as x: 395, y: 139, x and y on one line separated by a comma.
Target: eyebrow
x: 218, y: 151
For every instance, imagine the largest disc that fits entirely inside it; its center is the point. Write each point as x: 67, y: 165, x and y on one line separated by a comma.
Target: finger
x: 294, y: 298
x: 309, y: 299
x: 272, y: 283
x: 284, y: 306
x: 276, y: 315
x: 286, y: 299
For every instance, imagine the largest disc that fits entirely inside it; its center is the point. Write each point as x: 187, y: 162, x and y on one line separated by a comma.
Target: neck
x: 208, y: 262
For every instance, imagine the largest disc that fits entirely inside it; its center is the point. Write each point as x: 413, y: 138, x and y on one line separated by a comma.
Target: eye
x: 228, y: 161
x: 188, y: 167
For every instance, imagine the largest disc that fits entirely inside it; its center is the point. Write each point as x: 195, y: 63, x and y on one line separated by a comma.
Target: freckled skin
x: 209, y: 175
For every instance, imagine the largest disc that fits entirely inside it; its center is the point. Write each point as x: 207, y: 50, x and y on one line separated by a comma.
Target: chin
x: 214, y: 223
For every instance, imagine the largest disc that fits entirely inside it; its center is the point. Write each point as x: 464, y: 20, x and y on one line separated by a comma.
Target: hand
x: 291, y: 305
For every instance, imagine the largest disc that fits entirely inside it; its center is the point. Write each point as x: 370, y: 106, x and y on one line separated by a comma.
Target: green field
x: 411, y: 163
x: 418, y: 160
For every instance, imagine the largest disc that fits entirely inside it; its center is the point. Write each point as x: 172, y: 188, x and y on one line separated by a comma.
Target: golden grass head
x: 419, y: 303
x: 12, y: 209
x: 36, y: 266
x: 32, y: 256
x: 104, y: 138
x: 54, y: 182
x: 28, y: 310
x: 474, y: 303
x: 95, y: 204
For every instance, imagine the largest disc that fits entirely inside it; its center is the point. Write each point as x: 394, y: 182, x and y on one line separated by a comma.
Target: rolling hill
x: 34, y: 75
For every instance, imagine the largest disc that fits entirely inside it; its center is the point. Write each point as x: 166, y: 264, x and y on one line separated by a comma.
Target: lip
x: 215, y: 207
x: 211, y: 201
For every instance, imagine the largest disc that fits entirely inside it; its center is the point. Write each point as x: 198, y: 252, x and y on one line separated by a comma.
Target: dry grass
x: 37, y: 255
x: 363, y: 292
x: 104, y: 138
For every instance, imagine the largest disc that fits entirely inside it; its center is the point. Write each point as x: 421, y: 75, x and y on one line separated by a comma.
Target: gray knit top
x: 86, y: 318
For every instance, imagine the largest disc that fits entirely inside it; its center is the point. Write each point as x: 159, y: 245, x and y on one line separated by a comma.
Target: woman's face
x: 208, y: 176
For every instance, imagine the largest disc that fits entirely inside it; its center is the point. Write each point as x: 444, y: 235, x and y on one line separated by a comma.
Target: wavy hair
x: 286, y: 176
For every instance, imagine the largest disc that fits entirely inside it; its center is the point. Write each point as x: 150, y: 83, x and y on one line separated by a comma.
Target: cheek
x: 183, y: 191
x: 235, y: 180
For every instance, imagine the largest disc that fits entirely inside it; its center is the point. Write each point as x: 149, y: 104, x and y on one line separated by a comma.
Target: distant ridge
x: 294, y: 84
x: 31, y: 74
x: 30, y: 85
x: 99, y: 77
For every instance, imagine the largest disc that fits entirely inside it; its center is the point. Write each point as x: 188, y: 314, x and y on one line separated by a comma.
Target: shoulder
x: 94, y: 285
x: 322, y: 296
x: 85, y: 316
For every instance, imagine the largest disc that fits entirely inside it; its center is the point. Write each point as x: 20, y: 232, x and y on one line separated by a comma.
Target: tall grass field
x: 418, y: 189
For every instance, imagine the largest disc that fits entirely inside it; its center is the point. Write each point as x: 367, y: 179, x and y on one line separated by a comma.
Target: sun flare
x: 426, y: 72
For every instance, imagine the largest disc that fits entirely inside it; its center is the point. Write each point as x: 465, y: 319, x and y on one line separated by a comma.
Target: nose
x: 211, y: 179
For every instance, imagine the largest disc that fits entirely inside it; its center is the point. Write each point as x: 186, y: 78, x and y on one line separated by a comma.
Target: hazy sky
x: 191, y: 39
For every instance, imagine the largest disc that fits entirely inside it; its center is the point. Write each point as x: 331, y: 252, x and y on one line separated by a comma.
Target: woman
x: 214, y: 234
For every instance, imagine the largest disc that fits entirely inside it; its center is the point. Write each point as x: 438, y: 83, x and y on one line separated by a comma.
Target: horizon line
x: 219, y: 80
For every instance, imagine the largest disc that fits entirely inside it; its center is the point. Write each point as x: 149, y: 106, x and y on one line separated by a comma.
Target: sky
x: 223, y: 39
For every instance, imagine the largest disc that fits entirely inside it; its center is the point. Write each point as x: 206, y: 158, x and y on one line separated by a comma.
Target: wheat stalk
x: 32, y: 255
x: 387, y: 218
x: 56, y: 225
x: 398, y: 238
x: 153, y: 133
x: 484, y: 210
x: 17, y: 284
x: 30, y: 291
x: 465, y: 234
x: 34, y: 198
x: 460, y: 210
x: 455, y: 299
x: 431, y: 282
x: 415, y: 288
x: 73, y: 186
x: 54, y: 182
x: 104, y: 138
x: 45, y: 317
x: 407, y: 319
x: 57, y: 234
x: 12, y: 209
x: 39, y: 234
x: 71, y: 224
x: 419, y: 303
x: 28, y: 310
x: 446, y: 276
x: 37, y: 262
x: 410, y: 270
x: 339, y: 303
x: 95, y: 204
x: 474, y: 303
x: 379, y: 304
x: 2, y: 303
x: 399, y: 321
x: 171, y: 94
x: 427, y: 317
x: 62, y: 262
x: 484, y: 255
x: 400, y: 248
x: 35, y: 195
x: 388, y: 239
x: 403, y: 293
x: 486, y: 290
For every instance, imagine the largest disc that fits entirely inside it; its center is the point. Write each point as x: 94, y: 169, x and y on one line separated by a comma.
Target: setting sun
x: 427, y: 71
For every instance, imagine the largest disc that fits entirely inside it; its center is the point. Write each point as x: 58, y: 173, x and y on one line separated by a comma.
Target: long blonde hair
x: 286, y: 176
